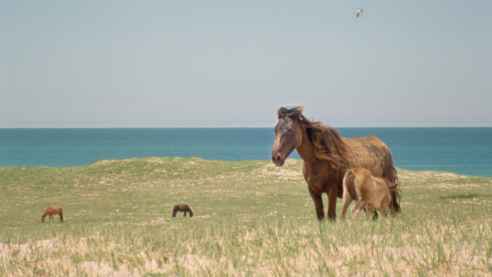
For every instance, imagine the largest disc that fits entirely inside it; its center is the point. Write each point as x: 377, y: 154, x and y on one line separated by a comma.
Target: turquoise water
x: 461, y: 150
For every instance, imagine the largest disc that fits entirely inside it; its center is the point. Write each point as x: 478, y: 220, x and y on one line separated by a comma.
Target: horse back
x: 372, y: 154
x: 53, y: 211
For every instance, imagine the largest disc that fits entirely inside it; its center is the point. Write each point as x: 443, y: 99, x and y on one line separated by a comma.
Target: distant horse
x: 371, y: 193
x: 51, y: 212
x: 182, y: 208
x: 327, y: 156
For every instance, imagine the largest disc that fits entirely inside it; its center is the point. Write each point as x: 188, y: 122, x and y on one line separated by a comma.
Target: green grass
x: 251, y: 219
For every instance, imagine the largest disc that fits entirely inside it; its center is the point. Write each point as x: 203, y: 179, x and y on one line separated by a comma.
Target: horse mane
x: 327, y: 141
x: 328, y: 144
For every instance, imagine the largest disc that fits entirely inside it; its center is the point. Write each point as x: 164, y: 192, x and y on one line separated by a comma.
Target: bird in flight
x: 358, y: 13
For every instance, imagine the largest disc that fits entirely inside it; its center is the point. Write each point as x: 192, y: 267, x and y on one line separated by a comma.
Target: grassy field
x: 251, y: 219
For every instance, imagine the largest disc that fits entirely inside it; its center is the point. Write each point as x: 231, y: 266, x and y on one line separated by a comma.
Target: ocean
x: 461, y: 150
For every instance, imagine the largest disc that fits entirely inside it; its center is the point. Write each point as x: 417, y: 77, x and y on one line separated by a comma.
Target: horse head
x: 288, y: 133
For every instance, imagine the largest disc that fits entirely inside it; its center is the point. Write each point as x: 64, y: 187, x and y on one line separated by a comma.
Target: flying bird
x: 358, y: 13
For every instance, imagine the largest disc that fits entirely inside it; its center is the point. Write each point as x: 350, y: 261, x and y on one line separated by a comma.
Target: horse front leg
x: 332, y: 203
x: 318, y: 205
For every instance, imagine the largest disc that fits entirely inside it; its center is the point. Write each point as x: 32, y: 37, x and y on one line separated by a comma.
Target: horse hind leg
x: 371, y: 211
x: 358, y: 207
x: 385, y: 208
x: 384, y: 212
x: 375, y: 215
x: 190, y: 212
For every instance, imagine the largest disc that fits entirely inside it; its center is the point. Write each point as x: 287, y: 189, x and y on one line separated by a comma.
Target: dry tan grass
x: 252, y: 219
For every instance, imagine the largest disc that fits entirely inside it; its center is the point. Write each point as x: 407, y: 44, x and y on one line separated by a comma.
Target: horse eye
x: 284, y: 129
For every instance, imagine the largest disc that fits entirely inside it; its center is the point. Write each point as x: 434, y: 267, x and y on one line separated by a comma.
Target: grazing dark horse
x: 51, y: 212
x: 182, y: 208
x: 327, y: 156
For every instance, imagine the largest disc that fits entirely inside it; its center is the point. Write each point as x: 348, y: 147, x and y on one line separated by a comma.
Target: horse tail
x: 395, y: 199
x: 391, y: 175
x: 43, y: 216
x: 175, y: 211
x: 394, y: 190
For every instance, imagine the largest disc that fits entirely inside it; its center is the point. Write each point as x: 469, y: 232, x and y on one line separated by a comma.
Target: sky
x: 234, y: 63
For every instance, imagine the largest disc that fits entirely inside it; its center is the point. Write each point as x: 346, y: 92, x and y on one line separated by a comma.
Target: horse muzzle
x: 278, y: 159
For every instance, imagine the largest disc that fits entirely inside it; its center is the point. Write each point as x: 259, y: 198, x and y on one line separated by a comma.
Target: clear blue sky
x: 233, y: 63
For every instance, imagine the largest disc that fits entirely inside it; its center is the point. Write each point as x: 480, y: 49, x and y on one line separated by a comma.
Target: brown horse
x: 327, y: 156
x: 51, y: 212
x: 370, y: 193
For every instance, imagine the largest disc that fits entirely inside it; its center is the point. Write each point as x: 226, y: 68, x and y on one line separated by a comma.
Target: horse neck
x: 306, y: 149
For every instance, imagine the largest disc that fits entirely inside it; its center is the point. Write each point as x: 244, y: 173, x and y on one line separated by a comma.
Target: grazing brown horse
x: 51, y: 212
x: 370, y: 193
x: 327, y: 156
x: 182, y: 208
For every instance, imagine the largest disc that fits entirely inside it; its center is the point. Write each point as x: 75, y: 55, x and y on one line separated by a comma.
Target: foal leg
x: 375, y: 215
x: 371, y: 211
x: 346, y: 202
x: 358, y: 207
x: 384, y: 212
x: 318, y: 205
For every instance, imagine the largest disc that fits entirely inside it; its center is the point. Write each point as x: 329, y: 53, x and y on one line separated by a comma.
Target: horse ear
x: 282, y: 112
x: 299, y: 109
x: 294, y: 112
